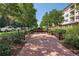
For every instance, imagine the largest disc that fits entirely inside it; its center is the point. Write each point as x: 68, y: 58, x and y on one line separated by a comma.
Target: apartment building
x: 71, y: 14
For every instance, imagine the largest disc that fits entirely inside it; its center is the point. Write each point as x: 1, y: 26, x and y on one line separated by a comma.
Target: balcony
x: 72, y: 19
x: 72, y: 7
x: 77, y: 19
x: 72, y: 14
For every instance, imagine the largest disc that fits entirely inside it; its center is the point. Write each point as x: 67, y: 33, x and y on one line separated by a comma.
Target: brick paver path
x: 43, y: 44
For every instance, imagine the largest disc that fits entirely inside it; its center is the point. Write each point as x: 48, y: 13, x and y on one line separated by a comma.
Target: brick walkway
x: 42, y: 44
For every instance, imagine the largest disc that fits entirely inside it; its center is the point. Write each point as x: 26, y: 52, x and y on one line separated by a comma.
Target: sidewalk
x: 43, y: 44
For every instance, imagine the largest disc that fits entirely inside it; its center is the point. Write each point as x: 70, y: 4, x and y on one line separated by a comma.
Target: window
x: 66, y: 15
x: 77, y: 17
x: 66, y: 20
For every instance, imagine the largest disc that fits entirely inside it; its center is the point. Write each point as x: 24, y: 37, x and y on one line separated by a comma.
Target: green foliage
x: 53, y: 17
x: 45, y: 20
x: 72, y: 39
x: 75, y: 41
x: 60, y: 31
x: 15, y: 36
x: 19, y: 37
x: 74, y: 30
x: 17, y: 41
x: 56, y: 16
x: 5, y: 50
x: 23, y: 13
x: 77, y: 4
x: 4, y: 21
x: 68, y: 38
x: 57, y: 31
x: 72, y: 36
x: 16, y: 24
x: 10, y: 39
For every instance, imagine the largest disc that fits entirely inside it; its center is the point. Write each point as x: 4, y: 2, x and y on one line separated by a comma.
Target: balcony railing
x: 72, y: 9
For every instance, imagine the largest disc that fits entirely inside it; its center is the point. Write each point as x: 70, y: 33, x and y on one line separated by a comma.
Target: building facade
x: 71, y: 14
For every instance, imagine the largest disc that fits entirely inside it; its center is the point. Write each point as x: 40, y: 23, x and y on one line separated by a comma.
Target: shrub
x: 72, y: 39
x: 75, y: 41
x: 73, y: 30
x: 57, y: 31
x: 5, y: 50
x: 15, y: 37
x: 17, y: 41
x: 18, y: 37
x: 60, y: 31
x: 72, y: 36
x: 68, y: 38
x: 51, y: 32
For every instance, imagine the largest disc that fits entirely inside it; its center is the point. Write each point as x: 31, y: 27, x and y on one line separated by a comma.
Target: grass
x: 8, y: 32
x: 8, y: 38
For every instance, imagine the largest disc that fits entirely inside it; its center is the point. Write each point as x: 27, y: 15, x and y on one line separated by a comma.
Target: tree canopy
x: 52, y: 17
x: 23, y: 13
x: 45, y: 20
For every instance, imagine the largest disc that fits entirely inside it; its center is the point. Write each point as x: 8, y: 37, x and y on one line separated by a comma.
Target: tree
x: 53, y: 17
x: 56, y: 17
x: 23, y: 13
x: 45, y: 20
x: 4, y: 22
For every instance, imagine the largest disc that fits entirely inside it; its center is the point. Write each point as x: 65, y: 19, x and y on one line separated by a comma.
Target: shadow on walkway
x: 43, y: 44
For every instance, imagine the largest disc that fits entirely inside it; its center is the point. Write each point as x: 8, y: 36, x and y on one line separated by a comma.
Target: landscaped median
x: 11, y: 40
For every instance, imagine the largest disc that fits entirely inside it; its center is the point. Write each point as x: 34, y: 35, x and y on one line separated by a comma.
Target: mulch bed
x: 70, y: 47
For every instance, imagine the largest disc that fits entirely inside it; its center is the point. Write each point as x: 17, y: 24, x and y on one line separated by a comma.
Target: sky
x: 46, y: 7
